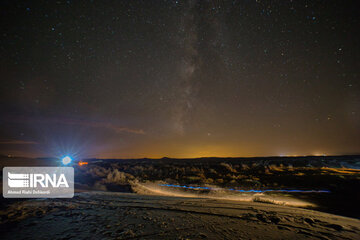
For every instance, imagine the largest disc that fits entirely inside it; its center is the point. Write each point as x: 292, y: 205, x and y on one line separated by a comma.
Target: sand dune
x: 221, y: 194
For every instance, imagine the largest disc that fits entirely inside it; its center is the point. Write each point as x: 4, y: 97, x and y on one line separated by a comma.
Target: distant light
x: 82, y: 163
x: 66, y: 160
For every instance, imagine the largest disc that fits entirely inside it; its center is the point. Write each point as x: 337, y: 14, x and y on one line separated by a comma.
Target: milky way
x: 189, y: 65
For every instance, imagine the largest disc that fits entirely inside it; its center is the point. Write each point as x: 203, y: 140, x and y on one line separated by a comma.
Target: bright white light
x: 66, y: 160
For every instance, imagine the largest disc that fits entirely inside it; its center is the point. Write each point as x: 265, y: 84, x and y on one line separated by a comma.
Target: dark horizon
x: 166, y: 157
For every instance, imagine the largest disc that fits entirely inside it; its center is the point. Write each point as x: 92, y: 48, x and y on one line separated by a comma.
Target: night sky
x: 131, y: 79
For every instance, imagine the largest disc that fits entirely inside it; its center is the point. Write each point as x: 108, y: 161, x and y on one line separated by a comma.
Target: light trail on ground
x: 245, y: 191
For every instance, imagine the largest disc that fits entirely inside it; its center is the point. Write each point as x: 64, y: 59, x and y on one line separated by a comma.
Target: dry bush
x: 245, y: 167
x: 98, y: 172
x: 228, y: 167
x: 209, y: 181
x: 220, y: 180
x: 213, y: 171
x: 275, y: 168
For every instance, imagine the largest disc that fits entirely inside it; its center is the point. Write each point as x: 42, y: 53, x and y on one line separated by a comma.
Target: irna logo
x: 37, y: 182
x: 20, y: 180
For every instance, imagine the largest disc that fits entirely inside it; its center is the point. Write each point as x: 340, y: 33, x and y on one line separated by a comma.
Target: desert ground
x: 194, y: 199
x: 102, y: 215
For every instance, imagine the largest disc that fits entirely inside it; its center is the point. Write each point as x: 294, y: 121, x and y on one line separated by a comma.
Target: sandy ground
x: 104, y: 215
